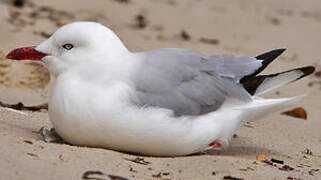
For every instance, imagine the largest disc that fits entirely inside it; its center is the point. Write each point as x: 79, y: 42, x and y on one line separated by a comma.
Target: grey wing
x: 190, y: 83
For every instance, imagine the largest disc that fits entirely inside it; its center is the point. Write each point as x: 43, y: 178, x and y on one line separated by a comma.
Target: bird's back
x: 190, y: 83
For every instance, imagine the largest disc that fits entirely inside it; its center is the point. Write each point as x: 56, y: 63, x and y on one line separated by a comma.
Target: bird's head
x: 71, y: 45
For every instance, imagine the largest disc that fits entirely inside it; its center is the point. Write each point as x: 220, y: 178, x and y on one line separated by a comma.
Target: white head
x: 73, y: 44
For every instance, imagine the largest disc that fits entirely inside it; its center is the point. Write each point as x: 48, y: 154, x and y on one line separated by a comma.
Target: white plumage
x: 165, y: 102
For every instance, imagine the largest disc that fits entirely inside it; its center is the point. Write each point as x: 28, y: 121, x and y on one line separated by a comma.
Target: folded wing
x: 190, y: 83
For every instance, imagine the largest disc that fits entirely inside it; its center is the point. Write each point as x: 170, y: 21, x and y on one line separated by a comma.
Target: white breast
x: 102, y: 117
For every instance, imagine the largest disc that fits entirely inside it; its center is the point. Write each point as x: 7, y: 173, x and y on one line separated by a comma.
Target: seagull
x: 165, y: 102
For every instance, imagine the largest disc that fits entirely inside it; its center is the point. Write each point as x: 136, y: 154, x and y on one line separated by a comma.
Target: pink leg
x: 215, y: 145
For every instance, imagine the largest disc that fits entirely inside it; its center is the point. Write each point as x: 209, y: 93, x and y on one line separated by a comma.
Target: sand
x: 238, y: 27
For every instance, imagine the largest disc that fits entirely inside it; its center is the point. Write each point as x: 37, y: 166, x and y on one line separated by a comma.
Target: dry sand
x: 239, y: 27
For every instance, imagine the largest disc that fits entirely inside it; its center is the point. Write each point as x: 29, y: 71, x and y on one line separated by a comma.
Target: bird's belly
x: 94, y: 119
x: 86, y: 116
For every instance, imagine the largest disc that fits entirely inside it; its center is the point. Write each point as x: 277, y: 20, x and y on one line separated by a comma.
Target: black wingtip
x: 252, y: 83
x: 271, y: 55
x: 266, y: 58
x: 307, y: 70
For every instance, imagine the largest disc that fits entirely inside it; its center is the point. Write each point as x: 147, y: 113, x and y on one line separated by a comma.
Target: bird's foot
x: 216, y: 145
x: 50, y: 135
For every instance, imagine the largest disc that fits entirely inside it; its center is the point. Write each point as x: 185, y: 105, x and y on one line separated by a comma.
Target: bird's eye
x: 68, y: 46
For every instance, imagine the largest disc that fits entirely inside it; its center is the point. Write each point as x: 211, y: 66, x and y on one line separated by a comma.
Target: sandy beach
x: 292, y: 146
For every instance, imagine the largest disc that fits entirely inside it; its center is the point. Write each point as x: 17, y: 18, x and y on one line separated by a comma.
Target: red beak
x: 25, y: 53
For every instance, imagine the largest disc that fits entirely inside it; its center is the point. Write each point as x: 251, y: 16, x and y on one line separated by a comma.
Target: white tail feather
x: 260, y: 108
